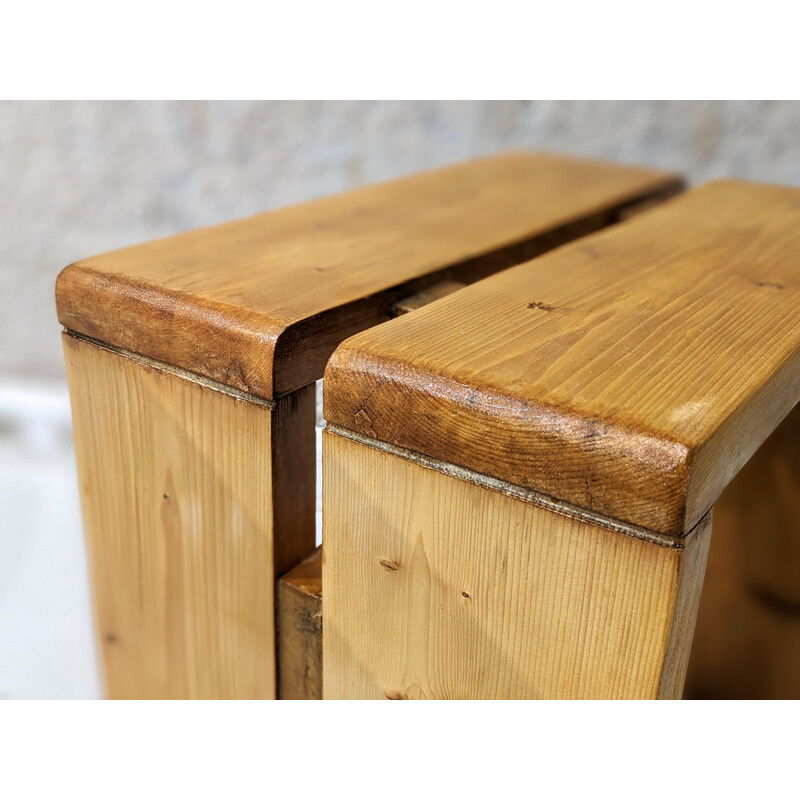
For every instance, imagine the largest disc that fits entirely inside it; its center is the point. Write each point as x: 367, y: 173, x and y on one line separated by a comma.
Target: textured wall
x: 80, y: 178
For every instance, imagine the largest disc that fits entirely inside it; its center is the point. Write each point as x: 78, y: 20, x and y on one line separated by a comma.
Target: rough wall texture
x: 80, y: 178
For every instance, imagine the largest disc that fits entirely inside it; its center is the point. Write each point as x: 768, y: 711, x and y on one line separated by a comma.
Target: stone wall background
x: 78, y: 178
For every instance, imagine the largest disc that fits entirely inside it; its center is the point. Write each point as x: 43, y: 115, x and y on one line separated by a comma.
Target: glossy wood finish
x: 260, y: 303
x: 439, y: 587
x: 186, y: 523
x: 247, y: 313
x: 630, y: 374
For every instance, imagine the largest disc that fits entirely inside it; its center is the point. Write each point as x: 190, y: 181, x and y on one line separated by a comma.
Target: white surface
x: 46, y: 636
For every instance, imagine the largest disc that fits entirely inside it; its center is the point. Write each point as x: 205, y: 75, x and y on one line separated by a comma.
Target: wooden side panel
x: 299, y: 632
x: 748, y: 630
x: 436, y: 587
x: 178, y: 515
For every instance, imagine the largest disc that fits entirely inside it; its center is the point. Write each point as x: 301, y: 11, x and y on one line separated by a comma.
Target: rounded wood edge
x: 633, y: 476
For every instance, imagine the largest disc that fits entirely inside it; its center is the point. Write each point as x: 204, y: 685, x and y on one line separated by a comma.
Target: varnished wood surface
x: 181, y: 524
x: 631, y: 373
x: 299, y: 630
x: 440, y: 588
x: 260, y: 303
x: 747, y: 643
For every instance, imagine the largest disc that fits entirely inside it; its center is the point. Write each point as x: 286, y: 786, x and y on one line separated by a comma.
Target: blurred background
x: 79, y: 178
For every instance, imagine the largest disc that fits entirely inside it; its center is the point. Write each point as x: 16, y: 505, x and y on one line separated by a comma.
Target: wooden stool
x: 192, y: 362
x: 519, y: 478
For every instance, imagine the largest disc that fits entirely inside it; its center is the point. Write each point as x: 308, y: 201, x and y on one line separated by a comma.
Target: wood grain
x: 260, y: 303
x: 181, y: 526
x: 438, y: 587
x: 299, y: 630
x: 631, y: 373
x: 747, y: 644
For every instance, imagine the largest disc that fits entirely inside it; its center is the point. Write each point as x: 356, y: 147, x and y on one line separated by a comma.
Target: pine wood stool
x: 192, y: 362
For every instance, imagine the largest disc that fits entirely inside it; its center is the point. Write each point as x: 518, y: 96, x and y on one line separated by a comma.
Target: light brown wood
x: 260, y: 303
x: 437, y: 586
x: 183, y: 529
x: 299, y: 630
x: 630, y: 374
x: 747, y: 644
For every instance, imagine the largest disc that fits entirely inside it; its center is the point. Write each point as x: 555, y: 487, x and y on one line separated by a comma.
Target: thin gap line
x: 179, y: 372
x: 519, y: 492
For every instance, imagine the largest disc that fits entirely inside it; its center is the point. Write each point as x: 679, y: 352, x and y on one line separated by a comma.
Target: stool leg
x: 439, y: 584
x: 193, y: 498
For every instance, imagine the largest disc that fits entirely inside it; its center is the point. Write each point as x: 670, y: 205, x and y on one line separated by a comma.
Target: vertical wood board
x: 174, y: 483
x: 436, y: 587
